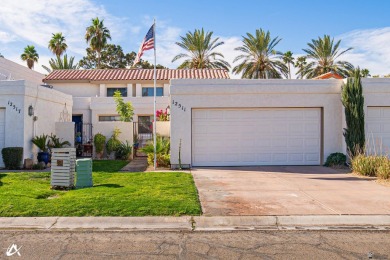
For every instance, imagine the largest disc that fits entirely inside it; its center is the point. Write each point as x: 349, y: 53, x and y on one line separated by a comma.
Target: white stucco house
x: 229, y: 122
x: 27, y: 108
x: 94, y: 108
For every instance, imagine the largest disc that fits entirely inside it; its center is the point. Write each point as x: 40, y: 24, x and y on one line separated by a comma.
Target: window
x: 111, y: 91
x: 148, y: 92
x: 109, y: 118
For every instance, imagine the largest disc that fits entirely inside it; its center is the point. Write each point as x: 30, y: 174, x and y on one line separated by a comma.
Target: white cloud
x: 370, y: 49
x: 6, y: 37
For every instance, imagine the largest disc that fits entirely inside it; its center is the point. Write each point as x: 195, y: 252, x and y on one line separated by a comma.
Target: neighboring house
x: 269, y: 122
x: 94, y: 108
x: 27, y: 108
x: 329, y: 75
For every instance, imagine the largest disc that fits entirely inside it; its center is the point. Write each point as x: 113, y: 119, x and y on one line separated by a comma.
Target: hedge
x: 12, y: 157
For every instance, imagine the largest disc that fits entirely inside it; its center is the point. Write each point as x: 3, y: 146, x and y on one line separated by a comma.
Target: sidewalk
x: 198, y: 223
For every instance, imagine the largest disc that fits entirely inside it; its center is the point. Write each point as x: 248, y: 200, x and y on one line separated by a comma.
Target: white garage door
x: 263, y: 136
x: 378, y: 130
x: 2, y: 133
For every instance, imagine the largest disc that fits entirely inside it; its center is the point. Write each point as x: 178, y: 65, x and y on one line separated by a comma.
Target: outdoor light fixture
x: 168, y: 109
x: 30, y: 110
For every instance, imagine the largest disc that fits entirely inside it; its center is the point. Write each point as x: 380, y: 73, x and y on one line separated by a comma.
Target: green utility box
x: 84, y: 173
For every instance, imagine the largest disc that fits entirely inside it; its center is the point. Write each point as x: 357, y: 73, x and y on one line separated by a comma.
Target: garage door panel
x: 230, y: 137
x: 378, y: 130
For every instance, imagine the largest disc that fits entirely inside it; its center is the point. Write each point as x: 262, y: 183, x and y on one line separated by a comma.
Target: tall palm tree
x: 62, y: 64
x: 323, y: 54
x: 199, y: 47
x: 300, y: 64
x: 288, y: 59
x: 30, y: 55
x: 260, y: 60
x: 97, y: 35
x: 57, y: 44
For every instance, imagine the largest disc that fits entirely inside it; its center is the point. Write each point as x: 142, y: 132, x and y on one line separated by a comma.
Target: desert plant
x: 383, y: 171
x: 162, y: 151
x: 113, y: 143
x: 353, y: 102
x: 55, y: 142
x: 335, y: 159
x: 367, y: 165
x: 123, y: 151
x: 99, y: 141
x: 12, y: 157
x: 41, y: 142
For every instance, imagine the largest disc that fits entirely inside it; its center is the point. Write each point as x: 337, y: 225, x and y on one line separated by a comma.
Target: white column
x: 129, y: 90
x: 138, y: 90
x: 166, y: 90
x: 103, y: 90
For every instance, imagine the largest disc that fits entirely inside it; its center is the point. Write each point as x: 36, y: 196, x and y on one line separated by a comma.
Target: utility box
x: 63, y: 166
x: 84, y: 173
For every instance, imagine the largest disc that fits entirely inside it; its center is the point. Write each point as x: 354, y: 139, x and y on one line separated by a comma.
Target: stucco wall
x: 192, y: 94
x: 12, y: 71
x: 163, y: 128
x: 20, y: 127
x: 78, y: 89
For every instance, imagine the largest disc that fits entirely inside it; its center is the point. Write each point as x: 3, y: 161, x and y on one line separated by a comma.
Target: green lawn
x: 113, y: 194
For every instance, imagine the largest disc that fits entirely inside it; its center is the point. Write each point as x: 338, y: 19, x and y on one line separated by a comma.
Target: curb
x: 200, y: 223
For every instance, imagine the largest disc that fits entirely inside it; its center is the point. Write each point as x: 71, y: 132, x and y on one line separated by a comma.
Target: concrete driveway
x: 288, y: 190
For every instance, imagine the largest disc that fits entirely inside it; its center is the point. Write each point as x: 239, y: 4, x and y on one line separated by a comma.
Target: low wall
x: 163, y: 128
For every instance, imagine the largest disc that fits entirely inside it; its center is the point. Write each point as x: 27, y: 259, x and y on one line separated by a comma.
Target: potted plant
x: 78, y: 138
x: 136, y: 144
x: 41, y: 142
x: 99, y: 140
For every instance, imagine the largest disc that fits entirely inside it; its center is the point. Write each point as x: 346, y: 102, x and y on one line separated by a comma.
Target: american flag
x: 147, y: 44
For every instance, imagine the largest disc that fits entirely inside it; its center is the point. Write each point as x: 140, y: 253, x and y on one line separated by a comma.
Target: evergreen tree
x: 353, y: 102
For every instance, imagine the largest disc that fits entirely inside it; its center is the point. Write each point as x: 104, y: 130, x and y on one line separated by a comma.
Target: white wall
x: 78, y: 89
x: 10, y: 70
x: 48, y: 105
x: 163, y: 128
x: 254, y: 93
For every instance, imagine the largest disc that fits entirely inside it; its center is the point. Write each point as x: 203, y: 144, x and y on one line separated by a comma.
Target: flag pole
x: 154, y: 97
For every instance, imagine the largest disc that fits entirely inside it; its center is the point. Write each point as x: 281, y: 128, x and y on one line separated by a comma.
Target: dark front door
x: 78, y: 128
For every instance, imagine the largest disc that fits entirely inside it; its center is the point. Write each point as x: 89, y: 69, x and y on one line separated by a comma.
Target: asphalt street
x: 275, y: 244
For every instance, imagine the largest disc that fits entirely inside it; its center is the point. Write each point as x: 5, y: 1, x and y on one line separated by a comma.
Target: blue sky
x: 363, y: 25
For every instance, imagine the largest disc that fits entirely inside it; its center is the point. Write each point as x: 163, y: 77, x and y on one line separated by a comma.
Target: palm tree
x: 57, y: 44
x: 259, y: 59
x: 200, y: 51
x: 324, y: 52
x: 288, y: 59
x: 97, y: 35
x: 365, y: 73
x: 62, y: 64
x: 300, y: 64
x: 30, y: 55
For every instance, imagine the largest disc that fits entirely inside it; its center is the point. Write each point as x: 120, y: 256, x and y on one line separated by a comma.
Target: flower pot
x: 78, y: 139
x: 43, y: 157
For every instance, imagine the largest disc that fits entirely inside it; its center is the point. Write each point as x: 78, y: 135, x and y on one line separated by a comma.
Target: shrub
x: 163, y: 160
x: 113, y: 143
x: 367, y: 165
x: 12, y: 157
x: 335, y: 159
x: 163, y: 145
x: 383, y: 171
x: 123, y: 151
x: 353, y: 102
x: 99, y: 141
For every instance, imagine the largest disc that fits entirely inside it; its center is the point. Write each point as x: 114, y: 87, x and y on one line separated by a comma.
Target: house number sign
x: 177, y: 104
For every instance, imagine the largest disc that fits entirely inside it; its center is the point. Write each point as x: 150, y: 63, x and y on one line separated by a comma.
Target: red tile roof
x: 329, y: 75
x: 135, y: 74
